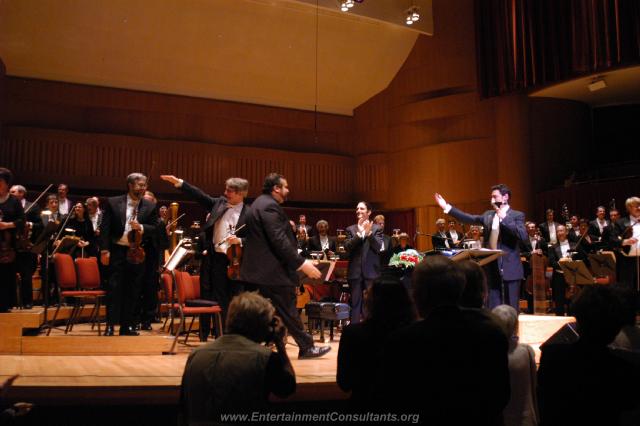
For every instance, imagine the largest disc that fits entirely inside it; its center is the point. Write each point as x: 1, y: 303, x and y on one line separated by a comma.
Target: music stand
x: 480, y: 256
x: 576, y: 272
x: 67, y: 245
x: 603, y: 263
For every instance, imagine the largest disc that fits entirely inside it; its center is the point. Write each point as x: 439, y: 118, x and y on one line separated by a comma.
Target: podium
x: 480, y: 256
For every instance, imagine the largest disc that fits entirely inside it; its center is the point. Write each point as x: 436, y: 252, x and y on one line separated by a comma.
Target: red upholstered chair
x: 67, y: 284
x: 167, y: 305
x: 88, y: 274
x: 189, y: 304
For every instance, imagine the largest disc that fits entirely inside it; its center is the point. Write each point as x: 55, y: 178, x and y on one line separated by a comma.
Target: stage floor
x: 155, y: 379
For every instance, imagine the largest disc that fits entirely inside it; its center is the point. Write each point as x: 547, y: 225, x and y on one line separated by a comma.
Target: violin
x: 135, y: 254
x: 234, y: 254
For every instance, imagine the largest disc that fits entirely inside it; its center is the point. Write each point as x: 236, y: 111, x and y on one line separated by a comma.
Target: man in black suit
x: 548, y: 228
x: 322, y: 241
x: 534, y: 243
x: 562, y: 250
x: 271, y: 260
x: 363, y: 244
x: 385, y: 250
x: 503, y: 230
x: 303, y: 228
x: 625, y: 236
x: 226, y: 213
x: 122, y: 214
x: 599, y: 227
x: 440, y: 240
x: 64, y: 204
x: 26, y: 261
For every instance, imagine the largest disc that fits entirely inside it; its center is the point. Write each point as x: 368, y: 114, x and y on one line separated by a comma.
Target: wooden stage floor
x: 61, y: 377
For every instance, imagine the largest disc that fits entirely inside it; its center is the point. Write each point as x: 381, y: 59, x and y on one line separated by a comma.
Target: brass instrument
x: 173, y: 212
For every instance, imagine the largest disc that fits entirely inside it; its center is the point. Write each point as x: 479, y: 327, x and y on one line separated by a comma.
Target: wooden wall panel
x: 101, y: 162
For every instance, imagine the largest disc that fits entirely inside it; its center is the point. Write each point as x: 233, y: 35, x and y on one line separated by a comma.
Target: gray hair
x: 134, y: 177
x: 322, y: 222
x: 19, y: 188
x: 250, y: 315
x: 507, y: 317
x: 92, y: 200
x: 238, y: 184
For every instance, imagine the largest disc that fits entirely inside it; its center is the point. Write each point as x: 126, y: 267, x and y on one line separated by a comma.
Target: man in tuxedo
x: 440, y: 240
x: 322, y: 241
x: 625, y: 236
x: 503, y: 230
x: 303, y: 228
x: 385, y: 250
x: 27, y: 262
x: 562, y: 250
x: 453, y: 235
x: 122, y: 214
x: 574, y: 232
x: 226, y: 213
x: 64, y: 204
x: 599, y: 228
x: 548, y: 228
x: 271, y: 261
x: 363, y: 244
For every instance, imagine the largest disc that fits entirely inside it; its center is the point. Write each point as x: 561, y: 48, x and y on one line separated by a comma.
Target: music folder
x: 576, y: 272
x: 326, y: 269
x: 480, y: 256
x: 603, y: 263
x: 67, y: 244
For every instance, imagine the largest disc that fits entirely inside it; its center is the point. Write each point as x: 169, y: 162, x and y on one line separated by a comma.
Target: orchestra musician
x: 303, y: 228
x: 125, y: 214
x: 548, y: 228
x: 83, y: 228
x: 574, y: 232
x: 385, y: 250
x: 26, y: 261
x: 564, y: 249
x: 625, y: 236
x: 11, y: 221
x: 227, y: 213
x: 599, y: 227
x: 65, y: 204
x: 322, y: 241
x: 440, y: 240
x: 453, y: 235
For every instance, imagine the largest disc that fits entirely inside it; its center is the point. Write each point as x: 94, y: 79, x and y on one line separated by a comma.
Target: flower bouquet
x: 406, y: 259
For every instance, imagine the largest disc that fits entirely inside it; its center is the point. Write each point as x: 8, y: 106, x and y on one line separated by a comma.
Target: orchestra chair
x: 189, y: 304
x: 88, y: 273
x: 166, y: 307
x: 67, y: 281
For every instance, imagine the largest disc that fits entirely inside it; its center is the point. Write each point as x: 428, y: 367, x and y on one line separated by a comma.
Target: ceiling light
x: 413, y: 15
x: 597, y: 84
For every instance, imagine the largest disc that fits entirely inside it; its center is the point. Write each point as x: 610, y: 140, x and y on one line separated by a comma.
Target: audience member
x: 452, y: 366
x: 389, y: 307
x: 475, y: 290
x: 236, y: 373
x: 583, y: 382
x: 522, y: 408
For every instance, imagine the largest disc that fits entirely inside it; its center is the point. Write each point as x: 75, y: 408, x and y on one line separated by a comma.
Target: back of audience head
x: 251, y: 316
x: 389, y: 304
x: 475, y: 289
x: 508, y: 319
x: 437, y: 281
x: 598, y: 313
x: 628, y: 299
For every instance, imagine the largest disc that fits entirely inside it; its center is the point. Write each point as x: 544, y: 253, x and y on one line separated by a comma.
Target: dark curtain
x: 526, y: 43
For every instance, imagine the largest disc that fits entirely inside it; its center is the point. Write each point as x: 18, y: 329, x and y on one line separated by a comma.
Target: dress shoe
x: 314, y: 352
x: 146, y: 326
x: 109, y: 331
x: 128, y: 331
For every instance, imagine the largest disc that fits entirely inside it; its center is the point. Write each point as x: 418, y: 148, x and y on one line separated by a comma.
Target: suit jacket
x: 438, y: 241
x: 217, y: 206
x: 114, y: 217
x: 270, y: 255
x: 512, y: 232
x: 526, y: 248
x: 555, y: 254
x: 594, y: 231
x: 450, y: 238
x: 363, y: 253
x: 33, y: 216
x: 544, y: 230
x: 313, y: 244
x: 572, y: 235
x: 386, y: 252
x: 68, y: 203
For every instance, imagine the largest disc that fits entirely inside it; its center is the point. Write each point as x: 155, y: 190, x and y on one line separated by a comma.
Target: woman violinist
x: 11, y: 220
